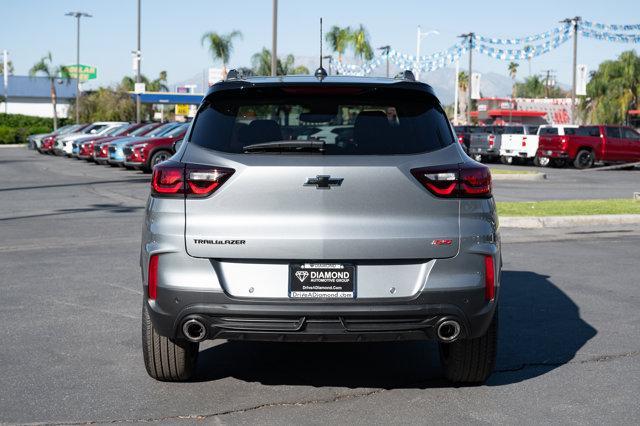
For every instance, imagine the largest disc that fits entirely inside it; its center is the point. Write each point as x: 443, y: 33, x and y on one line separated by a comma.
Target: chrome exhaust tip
x: 448, y: 331
x: 194, y: 330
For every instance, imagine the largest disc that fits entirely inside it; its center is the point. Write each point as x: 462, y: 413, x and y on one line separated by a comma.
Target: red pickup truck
x: 585, y: 145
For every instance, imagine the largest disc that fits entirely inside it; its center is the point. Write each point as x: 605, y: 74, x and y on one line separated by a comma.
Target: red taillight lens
x: 153, y: 277
x: 492, y: 140
x: 461, y: 140
x: 524, y: 141
x: 456, y: 181
x: 489, y: 278
x: 194, y: 181
x: 168, y: 179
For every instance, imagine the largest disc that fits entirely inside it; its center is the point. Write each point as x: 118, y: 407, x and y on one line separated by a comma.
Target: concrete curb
x: 13, y: 145
x: 532, y: 222
x: 519, y: 176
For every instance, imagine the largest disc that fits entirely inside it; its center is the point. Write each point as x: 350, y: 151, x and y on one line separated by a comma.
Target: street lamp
x: 419, y: 38
x: 78, y: 15
x: 385, y: 52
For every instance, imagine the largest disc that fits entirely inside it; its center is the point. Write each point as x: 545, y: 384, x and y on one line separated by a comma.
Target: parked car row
x: 134, y: 146
x: 555, y: 145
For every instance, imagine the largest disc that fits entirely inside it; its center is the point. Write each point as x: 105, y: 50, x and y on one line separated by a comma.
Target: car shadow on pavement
x: 540, y: 330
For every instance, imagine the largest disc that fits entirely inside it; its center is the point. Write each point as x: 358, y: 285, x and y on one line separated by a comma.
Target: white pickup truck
x: 519, y: 144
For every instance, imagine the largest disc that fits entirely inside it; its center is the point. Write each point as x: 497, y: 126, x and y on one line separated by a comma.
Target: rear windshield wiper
x: 286, y: 146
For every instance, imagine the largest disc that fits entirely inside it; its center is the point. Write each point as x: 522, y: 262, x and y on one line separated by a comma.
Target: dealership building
x: 32, y: 96
x: 523, y: 111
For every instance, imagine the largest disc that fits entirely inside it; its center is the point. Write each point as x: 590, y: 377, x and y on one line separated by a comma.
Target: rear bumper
x: 552, y: 153
x: 287, y: 320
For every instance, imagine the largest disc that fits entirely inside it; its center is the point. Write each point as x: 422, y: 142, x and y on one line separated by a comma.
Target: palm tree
x: 45, y: 66
x: 221, y: 46
x: 159, y: 84
x: 463, y: 86
x: 613, y: 89
x: 361, y: 46
x: 262, y: 64
x: 513, y: 70
x: 339, y: 39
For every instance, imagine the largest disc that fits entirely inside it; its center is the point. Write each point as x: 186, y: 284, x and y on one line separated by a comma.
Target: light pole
x: 575, y: 21
x: 419, y: 38
x: 78, y: 15
x: 274, y: 39
x: 138, y: 62
x: 385, y: 52
x: 5, y: 78
x: 330, y: 59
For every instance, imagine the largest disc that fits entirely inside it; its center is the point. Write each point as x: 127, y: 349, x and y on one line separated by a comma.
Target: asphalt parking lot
x: 70, y: 302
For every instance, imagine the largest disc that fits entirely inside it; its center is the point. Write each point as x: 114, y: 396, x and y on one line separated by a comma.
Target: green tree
x: 360, y: 42
x: 262, y: 64
x: 9, y: 67
x: 614, y: 89
x: 220, y: 46
x: 339, y: 40
x: 535, y: 87
x: 45, y: 66
x: 107, y: 104
x: 513, y: 70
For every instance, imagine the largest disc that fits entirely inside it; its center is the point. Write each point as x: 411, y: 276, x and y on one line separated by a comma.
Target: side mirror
x: 176, y: 145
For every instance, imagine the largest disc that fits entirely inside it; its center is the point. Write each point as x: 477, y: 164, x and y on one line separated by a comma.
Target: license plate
x: 322, y: 280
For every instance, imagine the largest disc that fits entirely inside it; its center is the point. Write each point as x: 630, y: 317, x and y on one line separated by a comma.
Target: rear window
x: 517, y: 130
x: 549, y: 131
x: 371, y: 122
x: 588, y: 131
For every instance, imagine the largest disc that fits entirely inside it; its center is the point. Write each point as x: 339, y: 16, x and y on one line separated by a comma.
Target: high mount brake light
x: 456, y: 180
x: 172, y: 179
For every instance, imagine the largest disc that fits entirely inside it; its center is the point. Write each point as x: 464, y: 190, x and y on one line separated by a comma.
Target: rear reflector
x: 456, y: 180
x: 489, y: 278
x: 153, y: 277
x: 171, y: 179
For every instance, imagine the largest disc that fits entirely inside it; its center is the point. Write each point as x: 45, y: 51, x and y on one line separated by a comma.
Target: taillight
x: 563, y: 142
x: 152, y: 280
x: 461, y: 140
x: 524, y: 141
x: 492, y: 139
x: 456, y: 181
x: 489, y: 278
x: 175, y: 179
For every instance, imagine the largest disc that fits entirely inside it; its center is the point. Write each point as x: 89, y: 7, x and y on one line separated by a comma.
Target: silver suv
x: 259, y: 228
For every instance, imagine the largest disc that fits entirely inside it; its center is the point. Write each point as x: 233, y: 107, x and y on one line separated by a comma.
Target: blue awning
x: 168, y: 98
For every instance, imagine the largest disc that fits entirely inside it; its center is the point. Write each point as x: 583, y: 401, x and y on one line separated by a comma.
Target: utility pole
x: 549, y: 81
x: 78, y: 15
x: 456, y: 94
x: 385, y: 51
x: 138, y: 63
x: 420, y: 36
x: 5, y: 78
x: 274, y: 40
x: 575, y: 22
x: 470, y: 38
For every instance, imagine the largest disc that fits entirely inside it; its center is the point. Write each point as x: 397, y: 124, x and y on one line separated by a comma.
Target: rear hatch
x: 350, y: 198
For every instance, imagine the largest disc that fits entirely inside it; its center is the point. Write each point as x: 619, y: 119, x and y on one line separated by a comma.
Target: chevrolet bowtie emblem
x: 323, y: 182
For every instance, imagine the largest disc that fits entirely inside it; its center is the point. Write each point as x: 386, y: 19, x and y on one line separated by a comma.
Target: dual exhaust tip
x: 194, y: 330
x: 448, y: 330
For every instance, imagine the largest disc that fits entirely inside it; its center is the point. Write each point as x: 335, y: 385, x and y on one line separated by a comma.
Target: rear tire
x: 584, y: 159
x: 471, y: 360
x: 166, y: 359
x: 506, y: 160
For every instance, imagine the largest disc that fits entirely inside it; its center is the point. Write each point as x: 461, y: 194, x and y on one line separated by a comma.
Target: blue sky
x: 172, y: 30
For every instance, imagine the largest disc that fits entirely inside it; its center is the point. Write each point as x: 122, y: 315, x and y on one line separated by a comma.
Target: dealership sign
x: 83, y: 72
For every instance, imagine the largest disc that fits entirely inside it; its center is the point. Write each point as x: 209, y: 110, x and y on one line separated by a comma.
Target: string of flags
x: 550, y: 40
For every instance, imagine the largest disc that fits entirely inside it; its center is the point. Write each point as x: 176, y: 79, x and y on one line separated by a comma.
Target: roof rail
x: 406, y: 75
x: 234, y: 74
